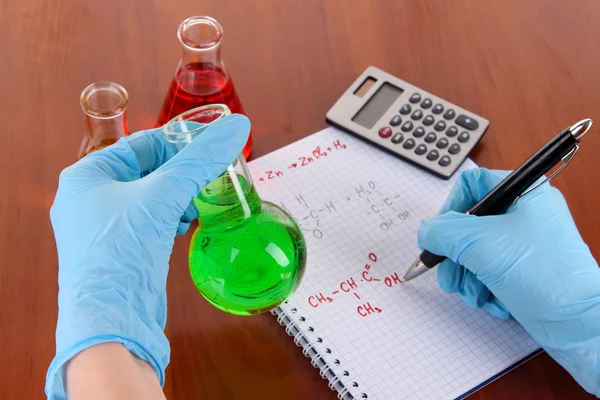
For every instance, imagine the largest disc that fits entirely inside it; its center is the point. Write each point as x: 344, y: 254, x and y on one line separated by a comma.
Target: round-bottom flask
x: 247, y: 255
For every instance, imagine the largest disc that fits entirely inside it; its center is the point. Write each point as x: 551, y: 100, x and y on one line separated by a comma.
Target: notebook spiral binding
x: 309, y: 351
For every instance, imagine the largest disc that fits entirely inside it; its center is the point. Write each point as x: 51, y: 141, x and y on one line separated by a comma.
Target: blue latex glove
x: 115, y: 232
x: 530, y: 263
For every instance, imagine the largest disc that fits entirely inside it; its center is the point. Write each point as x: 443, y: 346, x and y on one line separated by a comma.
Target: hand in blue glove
x: 115, y: 232
x: 530, y: 263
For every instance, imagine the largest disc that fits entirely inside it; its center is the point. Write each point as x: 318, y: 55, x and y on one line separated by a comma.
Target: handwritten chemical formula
x: 376, y: 205
x: 304, y: 160
x: 310, y: 221
x: 384, y: 207
x: 350, y: 286
x: 387, y: 210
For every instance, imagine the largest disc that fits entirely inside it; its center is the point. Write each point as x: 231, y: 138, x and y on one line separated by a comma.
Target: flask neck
x: 200, y: 39
x: 228, y: 201
x: 107, y: 127
x: 105, y: 108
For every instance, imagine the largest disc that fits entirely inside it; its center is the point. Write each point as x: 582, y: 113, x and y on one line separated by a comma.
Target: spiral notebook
x: 369, y: 335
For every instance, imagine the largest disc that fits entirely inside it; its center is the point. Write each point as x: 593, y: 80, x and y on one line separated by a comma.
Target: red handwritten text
x: 348, y: 285
x: 273, y: 174
x: 366, y: 309
x: 318, y: 299
x: 392, y: 280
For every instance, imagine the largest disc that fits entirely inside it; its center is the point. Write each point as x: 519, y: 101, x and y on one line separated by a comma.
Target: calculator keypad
x: 431, y: 137
x: 438, y: 109
x: 433, y: 155
x: 396, y: 120
x: 467, y: 122
x: 407, y: 127
x: 397, y: 138
x: 419, y: 132
x: 442, y: 144
x: 454, y: 149
x: 440, y: 126
x: 421, y: 149
x: 385, y: 132
x: 445, y: 161
x: 430, y: 125
x: 409, y: 144
x: 452, y: 131
x: 417, y: 115
x: 450, y: 114
x: 464, y: 137
x: 415, y: 98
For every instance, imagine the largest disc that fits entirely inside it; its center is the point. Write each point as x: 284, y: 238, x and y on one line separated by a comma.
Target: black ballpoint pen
x: 560, y: 148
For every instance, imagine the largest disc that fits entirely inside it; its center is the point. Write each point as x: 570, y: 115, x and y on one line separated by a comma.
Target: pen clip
x: 566, y: 160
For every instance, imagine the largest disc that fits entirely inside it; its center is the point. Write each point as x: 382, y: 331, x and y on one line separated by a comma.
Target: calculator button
x: 426, y: 103
x: 431, y: 137
x: 444, y: 161
x: 397, y: 138
x: 467, y: 122
x: 415, y: 98
x: 452, y: 131
x: 409, y: 144
x: 454, y: 149
x: 407, y: 127
x: 405, y: 109
x: 417, y: 115
x: 437, y: 109
x: 433, y: 155
x: 449, y: 114
x: 385, y: 132
x: 428, y: 120
x: 440, y: 126
x: 442, y: 143
x: 419, y: 132
x: 464, y: 137
x: 421, y: 149
x: 396, y: 120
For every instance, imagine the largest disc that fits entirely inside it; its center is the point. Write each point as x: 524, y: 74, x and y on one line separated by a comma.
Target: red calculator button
x: 385, y: 132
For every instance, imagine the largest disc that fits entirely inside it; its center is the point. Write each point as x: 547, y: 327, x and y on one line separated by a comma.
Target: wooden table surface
x: 530, y: 67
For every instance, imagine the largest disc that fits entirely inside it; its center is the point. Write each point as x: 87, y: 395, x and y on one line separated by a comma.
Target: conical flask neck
x: 200, y: 39
x: 105, y: 108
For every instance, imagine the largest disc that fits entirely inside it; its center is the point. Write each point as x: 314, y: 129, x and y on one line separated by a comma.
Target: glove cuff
x: 56, y: 375
x: 96, y: 311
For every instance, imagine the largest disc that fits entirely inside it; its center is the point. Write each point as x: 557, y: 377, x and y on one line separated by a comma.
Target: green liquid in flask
x: 247, y: 256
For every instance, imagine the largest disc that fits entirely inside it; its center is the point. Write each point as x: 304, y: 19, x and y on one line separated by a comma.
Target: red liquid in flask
x: 199, y: 84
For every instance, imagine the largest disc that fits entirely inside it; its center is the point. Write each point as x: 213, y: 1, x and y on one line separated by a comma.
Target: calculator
x: 407, y: 121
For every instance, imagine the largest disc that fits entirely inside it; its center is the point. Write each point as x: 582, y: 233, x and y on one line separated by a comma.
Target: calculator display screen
x: 377, y: 105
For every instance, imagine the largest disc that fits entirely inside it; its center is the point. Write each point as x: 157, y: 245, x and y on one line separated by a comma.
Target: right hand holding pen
x: 530, y: 263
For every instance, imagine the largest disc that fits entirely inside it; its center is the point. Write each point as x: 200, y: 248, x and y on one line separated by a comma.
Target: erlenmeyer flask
x: 201, y: 77
x: 105, y: 108
x: 247, y: 255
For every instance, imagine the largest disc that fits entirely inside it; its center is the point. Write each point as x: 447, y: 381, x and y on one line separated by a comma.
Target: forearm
x: 109, y: 371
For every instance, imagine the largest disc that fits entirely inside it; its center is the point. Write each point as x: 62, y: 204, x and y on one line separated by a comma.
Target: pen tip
x: 579, y: 129
x: 416, y: 269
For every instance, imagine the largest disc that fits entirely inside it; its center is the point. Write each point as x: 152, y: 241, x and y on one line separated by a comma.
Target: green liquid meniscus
x: 247, y: 256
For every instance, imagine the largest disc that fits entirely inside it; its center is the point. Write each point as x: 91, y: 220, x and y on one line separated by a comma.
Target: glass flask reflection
x: 247, y: 255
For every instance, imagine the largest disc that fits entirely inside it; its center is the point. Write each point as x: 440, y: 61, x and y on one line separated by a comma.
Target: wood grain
x: 530, y: 67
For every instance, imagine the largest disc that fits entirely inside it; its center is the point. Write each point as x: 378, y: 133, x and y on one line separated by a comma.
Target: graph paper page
x: 359, y: 209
